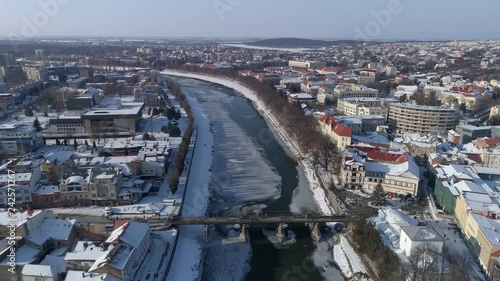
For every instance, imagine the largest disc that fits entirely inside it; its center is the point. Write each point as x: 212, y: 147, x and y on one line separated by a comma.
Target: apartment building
x: 495, y: 110
x: 75, y: 186
x: 349, y: 90
x: 490, y: 157
x: 411, y: 118
x: 105, y: 185
x: 468, y: 133
x: 16, y: 138
x: 131, y: 242
x: 301, y: 98
x: 364, y: 106
x: 66, y: 125
x: 34, y: 72
x: 336, y: 131
x: 326, y: 91
x: 292, y: 84
x: 21, y: 183
x: 450, y: 181
x: 149, y: 98
x: 367, y: 77
x: 397, y: 172
x: 477, y: 216
x: 306, y: 64
x: 6, y: 100
x: 391, y: 71
x: 362, y: 124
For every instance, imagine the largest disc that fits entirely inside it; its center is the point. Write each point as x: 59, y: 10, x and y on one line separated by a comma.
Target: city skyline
x: 363, y: 20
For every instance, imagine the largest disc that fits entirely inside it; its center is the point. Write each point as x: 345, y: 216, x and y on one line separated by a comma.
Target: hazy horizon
x: 256, y: 19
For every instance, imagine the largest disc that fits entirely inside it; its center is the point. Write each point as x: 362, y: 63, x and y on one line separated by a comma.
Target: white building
x: 414, y: 237
x: 22, y: 184
x: 15, y: 138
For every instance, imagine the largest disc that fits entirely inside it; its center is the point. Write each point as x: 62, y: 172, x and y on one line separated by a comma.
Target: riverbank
x: 187, y: 263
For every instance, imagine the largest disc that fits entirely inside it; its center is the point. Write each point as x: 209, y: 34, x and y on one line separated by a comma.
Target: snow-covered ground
x: 348, y: 260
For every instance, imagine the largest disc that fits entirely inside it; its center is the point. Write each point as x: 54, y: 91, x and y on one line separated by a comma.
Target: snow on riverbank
x: 348, y: 260
x: 188, y: 257
x: 318, y: 193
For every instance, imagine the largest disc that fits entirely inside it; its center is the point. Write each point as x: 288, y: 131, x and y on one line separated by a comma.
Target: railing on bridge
x: 257, y: 219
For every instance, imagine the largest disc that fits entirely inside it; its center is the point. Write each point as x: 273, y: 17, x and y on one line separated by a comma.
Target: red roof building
x: 387, y: 157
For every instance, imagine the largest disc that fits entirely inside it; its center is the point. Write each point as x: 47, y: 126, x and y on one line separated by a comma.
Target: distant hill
x: 300, y: 43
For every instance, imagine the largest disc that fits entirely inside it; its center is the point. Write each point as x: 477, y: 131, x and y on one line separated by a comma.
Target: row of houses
x: 56, y: 249
x: 59, y: 176
x: 471, y: 194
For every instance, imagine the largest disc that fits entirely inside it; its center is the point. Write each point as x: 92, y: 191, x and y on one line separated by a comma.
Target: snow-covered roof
x: 19, y: 177
x: 469, y: 186
x: 131, y: 233
x: 46, y: 189
x: 407, y: 169
x: 84, y: 276
x: 422, y: 233
x: 87, y: 251
x: 396, y: 219
x: 24, y: 255
x: 59, y: 157
x: 39, y: 270
x: 489, y: 227
x: 128, y: 237
x: 75, y: 179
x: 58, y: 229
x: 56, y: 262
x: 17, y: 218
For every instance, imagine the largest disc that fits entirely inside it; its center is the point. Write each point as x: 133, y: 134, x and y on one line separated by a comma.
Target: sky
x: 324, y: 19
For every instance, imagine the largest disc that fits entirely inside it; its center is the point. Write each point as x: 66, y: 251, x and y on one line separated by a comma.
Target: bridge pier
x: 279, y: 233
x: 315, y: 234
x: 207, y: 233
x: 243, y: 233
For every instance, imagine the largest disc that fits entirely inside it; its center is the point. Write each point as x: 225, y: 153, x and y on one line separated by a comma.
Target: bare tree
x: 459, y: 264
x: 425, y: 264
x: 324, y: 151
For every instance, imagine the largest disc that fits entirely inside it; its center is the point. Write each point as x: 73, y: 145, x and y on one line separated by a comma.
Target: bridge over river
x: 246, y: 221
x: 256, y: 220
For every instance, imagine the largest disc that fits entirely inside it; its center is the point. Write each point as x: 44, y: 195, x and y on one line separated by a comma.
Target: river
x: 251, y: 172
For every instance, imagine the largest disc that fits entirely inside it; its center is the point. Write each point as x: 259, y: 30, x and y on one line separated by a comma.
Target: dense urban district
x: 105, y: 162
